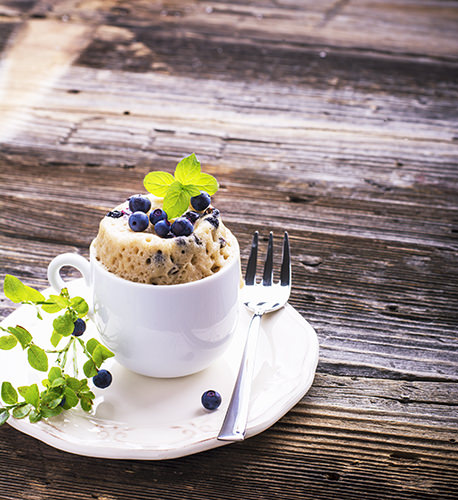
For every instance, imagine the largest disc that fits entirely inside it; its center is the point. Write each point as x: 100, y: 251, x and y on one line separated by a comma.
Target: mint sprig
x: 61, y: 390
x: 178, y: 189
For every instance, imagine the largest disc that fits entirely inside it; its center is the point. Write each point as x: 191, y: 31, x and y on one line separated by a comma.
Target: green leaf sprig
x: 61, y: 390
x: 178, y: 189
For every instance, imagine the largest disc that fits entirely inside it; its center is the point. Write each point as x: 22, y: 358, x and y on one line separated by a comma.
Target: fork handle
x: 235, y: 422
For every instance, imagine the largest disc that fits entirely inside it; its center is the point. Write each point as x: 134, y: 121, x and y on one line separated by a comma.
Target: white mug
x: 159, y: 330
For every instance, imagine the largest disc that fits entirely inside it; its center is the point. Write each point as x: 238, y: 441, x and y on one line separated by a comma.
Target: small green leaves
x: 64, y: 324
x: 9, y: 393
x: 80, y: 306
x: 7, y: 342
x: 21, y: 334
x: 61, y: 391
x: 32, y: 395
x: 22, y: 410
x: 4, y: 415
x: 17, y: 292
x: 177, y: 190
x: 37, y: 358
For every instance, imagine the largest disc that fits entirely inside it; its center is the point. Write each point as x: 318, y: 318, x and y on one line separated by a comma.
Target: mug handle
x: 68, y: 259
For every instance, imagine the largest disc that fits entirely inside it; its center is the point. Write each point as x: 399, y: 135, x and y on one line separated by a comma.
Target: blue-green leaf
x: 22, y: 411
x: 16, y: 291
x: 4, y: 415
x: 7, y: 342
x: 64, y: 324
x: 37, y: 358
x: 21, y: 334
x: 9, y: 393
x: 32, y: 395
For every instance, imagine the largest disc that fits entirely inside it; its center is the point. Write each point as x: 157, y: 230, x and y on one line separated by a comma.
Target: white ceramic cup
x: 159, y: 330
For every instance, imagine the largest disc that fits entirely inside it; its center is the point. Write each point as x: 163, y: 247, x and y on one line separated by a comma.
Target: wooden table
x: 334, y: 120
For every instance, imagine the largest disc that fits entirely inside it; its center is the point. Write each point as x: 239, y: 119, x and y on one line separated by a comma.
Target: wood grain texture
x: 334, y: 120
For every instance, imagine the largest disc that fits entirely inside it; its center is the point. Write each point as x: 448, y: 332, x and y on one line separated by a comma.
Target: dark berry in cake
x: 115, y: 214
x: 162, y: 228
x: 156, y: 215
x: 182, y: 227
x: 138, y: 221
x: 200, y: 202
x: 191, y: 216
x: 139, y: 203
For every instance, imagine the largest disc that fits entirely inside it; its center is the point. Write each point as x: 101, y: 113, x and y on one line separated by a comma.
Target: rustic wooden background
x: 335, y: 120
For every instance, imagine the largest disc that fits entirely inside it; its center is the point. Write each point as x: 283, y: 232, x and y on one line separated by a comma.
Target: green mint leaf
x: 37, y: 358
x: 51, y: 307
x: 187, y: 169
x: 4, y: 415
x: 7, y: 342
x: 157, y: 183
x: 176, y: 200
x: 34, y: 416
x: 191, y: 189
x: 32, y: 396
x: 207, y: 183
x: 21, y: 334
x: 80, y: 306
x: 22, y: 411
x: 71, y: 399
x: 54, y: 373
x: 60, y: 300
x: 100, y: 354
x: 16, y: 291
x: 9, y: 393
x: 89, y: 368
x: 64, y: 324
x: 55, y: 338
x: 91, y: 345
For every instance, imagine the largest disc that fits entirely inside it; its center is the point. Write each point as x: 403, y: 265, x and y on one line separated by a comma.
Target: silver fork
x: 260, y: 298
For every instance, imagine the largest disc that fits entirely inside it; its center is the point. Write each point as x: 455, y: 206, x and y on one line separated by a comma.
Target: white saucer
x: 151, y: 419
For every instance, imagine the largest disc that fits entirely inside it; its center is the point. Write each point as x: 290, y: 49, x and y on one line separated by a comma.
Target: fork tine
x: 252, y: 260
x: 285, y: 273
x: 268, y: 266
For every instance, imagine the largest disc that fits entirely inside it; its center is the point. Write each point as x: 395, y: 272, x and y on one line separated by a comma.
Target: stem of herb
x: 75, y: 361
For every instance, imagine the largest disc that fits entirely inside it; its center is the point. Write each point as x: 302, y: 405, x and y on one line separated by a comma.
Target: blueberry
x: 191, y: 216
x: 138, y: 221
x: 211, y: 400
x: 102, y: 379
x: 201, y: 201
x: 79, y: 328
x: 139, y: 203
x: 182, y: 227
x: 162, y: 228
x: 62, y: 402
x: 157, y: 215
x: 115, y: 214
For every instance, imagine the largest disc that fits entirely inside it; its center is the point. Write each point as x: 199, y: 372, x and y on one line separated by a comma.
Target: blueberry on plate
x: 102, y: 379
x: 191, y: 216
x: 201, y: 201
x: 182, y: 227
x: 139, y: 203
x: 138, y: 221
x: 79, y: 327
x: 211, y: 400
x: 156, y: 215
x: 162, y: 228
